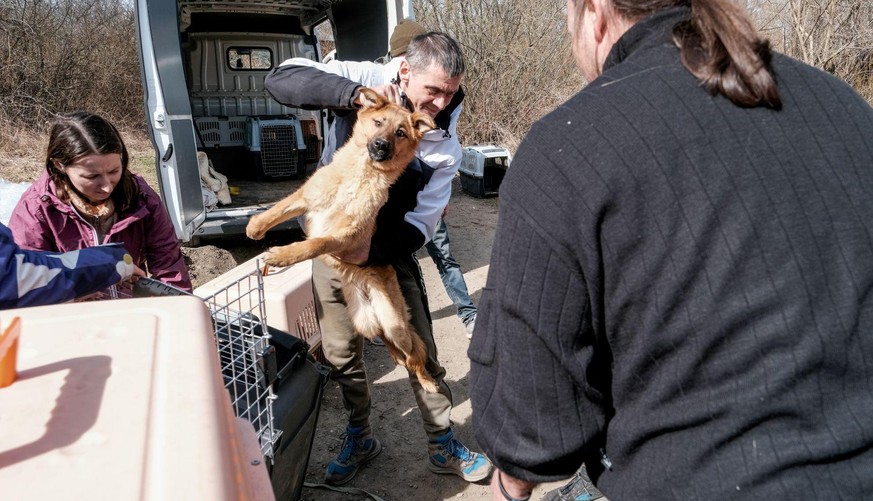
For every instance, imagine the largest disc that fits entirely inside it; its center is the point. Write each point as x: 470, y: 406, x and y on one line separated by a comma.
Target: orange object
x: 9, y: 352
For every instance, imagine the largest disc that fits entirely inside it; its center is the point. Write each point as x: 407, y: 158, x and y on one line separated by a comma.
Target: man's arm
x: 302, y: 83
x: 445, y: 160
x: 431, y: 201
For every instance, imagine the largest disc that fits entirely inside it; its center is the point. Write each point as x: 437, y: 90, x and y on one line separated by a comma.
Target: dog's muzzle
x: 380, y: 149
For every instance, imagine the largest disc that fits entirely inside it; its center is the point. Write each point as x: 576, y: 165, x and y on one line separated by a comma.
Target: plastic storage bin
x: 482, y: 169
x: 123, y: 400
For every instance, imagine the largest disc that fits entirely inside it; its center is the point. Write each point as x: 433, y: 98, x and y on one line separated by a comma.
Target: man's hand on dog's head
x: 391, y: 92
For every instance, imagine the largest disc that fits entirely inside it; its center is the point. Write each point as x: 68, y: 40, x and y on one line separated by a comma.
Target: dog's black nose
x: 380, y: 149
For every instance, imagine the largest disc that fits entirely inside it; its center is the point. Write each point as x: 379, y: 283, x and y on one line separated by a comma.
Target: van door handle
x: 168, y: 153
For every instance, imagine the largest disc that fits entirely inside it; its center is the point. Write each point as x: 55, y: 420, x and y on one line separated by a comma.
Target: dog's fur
x: 340, y: 202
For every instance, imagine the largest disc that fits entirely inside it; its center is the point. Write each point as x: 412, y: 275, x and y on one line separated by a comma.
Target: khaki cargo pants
x: 344, y: 348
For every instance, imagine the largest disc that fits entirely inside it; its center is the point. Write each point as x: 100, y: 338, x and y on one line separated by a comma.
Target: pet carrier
x: 119, y: 400
x: 273, y: 381
x: 288, y: 299
x: 221, y: 131
x: 277, y: 146
x: 482, y: 169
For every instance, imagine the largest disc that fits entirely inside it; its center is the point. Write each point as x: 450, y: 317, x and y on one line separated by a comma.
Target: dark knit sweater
x: 687, y: 285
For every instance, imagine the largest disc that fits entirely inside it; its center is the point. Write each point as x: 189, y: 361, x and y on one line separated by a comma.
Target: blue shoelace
x: 348, y: 449
x: 454, y: 448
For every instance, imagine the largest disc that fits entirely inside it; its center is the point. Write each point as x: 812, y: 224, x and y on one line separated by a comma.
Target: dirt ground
x: 400, y: 472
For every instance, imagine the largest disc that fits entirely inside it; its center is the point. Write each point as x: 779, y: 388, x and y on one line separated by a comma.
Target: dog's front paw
x: 255, y: 230
x: 285, y: 255
x: 273, y: 258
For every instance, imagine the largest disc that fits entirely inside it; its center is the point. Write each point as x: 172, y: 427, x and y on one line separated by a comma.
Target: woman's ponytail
x: 719, y: 46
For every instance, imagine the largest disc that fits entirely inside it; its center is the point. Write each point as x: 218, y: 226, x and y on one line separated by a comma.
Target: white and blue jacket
x: 33, y: 278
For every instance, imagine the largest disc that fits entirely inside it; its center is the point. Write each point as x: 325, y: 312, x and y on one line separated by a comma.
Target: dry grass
x: 142, y: 156
x: 22, y: 154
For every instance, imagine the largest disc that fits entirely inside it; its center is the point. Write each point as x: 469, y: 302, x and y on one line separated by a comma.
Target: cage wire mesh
x: 242, y: 341
x: 279, y: 150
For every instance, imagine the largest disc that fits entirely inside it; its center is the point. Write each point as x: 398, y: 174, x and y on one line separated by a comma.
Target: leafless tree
x: 63, y: 55
x: 519, y: 65
x: 834, y: 35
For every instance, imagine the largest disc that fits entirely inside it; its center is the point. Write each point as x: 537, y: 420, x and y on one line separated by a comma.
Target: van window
x: 249, y: 58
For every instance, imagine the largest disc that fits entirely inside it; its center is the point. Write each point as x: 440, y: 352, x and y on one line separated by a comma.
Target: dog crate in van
x: 482, y: 169
x: 276, y: 145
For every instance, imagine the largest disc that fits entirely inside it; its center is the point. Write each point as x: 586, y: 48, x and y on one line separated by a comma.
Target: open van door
x: 168, y: 112
x: 203, y: 65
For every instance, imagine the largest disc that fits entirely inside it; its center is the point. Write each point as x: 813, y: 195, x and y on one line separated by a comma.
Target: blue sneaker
x: 449, y: 456
x: 358, y: 448
x: 579, y: 488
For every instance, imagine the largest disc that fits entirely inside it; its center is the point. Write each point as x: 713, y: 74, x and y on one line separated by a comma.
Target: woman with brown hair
x: 679, y: 295
x: 87, y: 196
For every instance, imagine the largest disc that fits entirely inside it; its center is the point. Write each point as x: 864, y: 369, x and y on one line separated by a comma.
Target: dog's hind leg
x: 404, y: 343
x: 283, y: 210
x: 361, y: 311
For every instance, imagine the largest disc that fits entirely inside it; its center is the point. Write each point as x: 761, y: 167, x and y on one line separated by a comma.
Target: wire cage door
x: 242, y: 340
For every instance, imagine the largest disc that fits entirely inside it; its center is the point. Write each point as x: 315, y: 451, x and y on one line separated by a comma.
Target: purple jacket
x: 41, y: 221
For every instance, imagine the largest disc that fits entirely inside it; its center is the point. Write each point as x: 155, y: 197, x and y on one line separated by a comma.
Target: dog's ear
x: 422, y: 122
x: 368, y: 98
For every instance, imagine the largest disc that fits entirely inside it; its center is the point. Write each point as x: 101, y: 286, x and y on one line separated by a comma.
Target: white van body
x: 203, y: 67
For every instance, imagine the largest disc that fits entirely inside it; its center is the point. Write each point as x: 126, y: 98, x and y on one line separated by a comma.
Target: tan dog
x: 340, y: 202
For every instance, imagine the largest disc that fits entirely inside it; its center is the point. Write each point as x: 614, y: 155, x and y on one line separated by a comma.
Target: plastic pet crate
x: 277, y: 145
x: 312, y: 141
x: 221, y: 131
x: 482, y: 169
x: 288, y: 299
x: 121, y: 400
x: 273, y: 380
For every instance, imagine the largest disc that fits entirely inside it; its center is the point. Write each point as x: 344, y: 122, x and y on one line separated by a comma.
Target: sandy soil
x: 400, y: 472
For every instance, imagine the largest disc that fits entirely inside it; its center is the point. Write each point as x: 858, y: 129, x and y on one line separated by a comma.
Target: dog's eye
x: 401, y: 133
x: 377, y: 123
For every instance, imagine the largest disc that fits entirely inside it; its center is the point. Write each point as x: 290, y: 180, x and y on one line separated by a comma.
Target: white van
x: 203, y: 67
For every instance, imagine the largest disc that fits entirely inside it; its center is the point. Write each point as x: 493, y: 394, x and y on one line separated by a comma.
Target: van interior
x: 204, y: 65
x: 262, y: 147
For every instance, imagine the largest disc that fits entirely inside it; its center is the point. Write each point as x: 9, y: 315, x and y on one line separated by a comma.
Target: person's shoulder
x: 142, y: 184
x: 365, y: 72
x: 805, y: 81
x: 438, y: 150
x: 147, y: 195
x: 39, y: 191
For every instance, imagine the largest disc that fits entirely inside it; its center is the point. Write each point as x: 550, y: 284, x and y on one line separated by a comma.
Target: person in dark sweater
x: 679, y: 295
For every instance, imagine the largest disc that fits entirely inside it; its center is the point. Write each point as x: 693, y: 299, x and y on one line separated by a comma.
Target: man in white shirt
x: 427, y: 80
